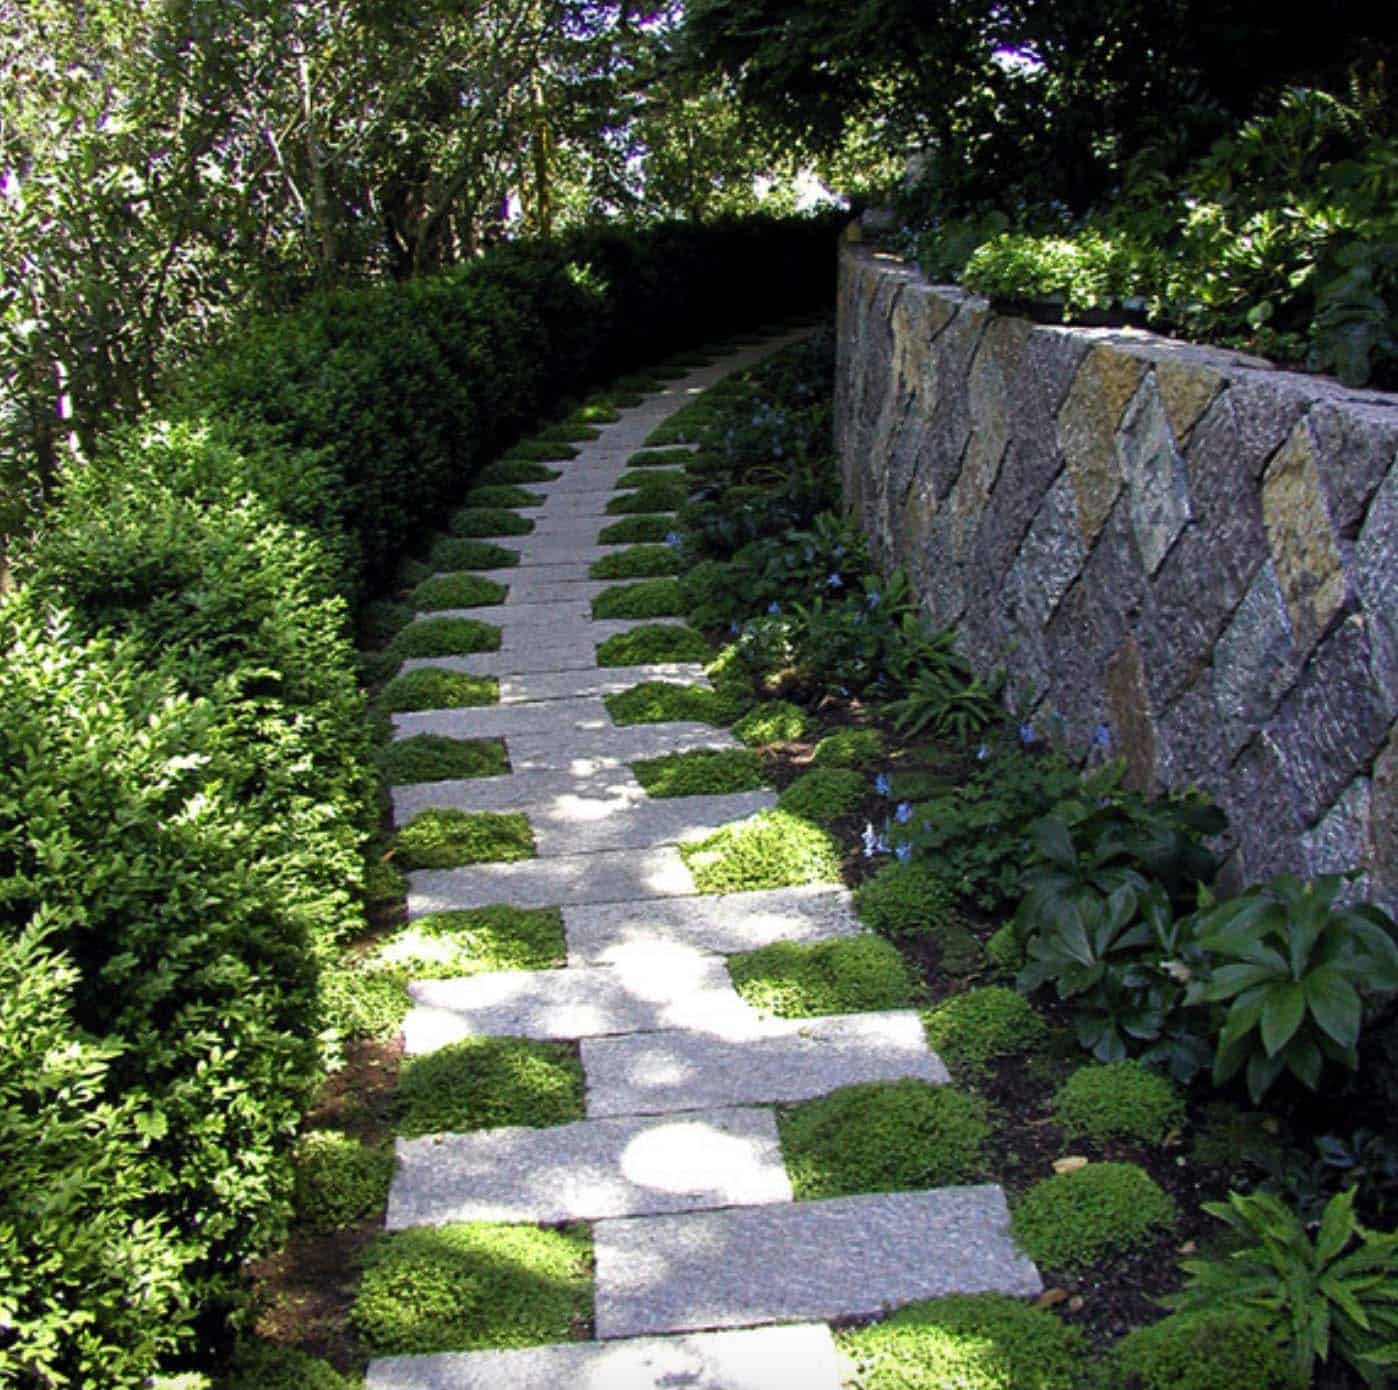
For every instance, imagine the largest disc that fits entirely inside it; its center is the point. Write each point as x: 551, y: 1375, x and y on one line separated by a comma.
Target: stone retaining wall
x: 1184, y: 545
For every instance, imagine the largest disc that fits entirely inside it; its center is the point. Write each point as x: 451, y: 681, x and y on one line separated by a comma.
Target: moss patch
x: 640, y: 562
x: 659, y: 458
x: 338, y: 1179
x: 1226, y: 1350
x: 364, y: 1003
x: 486, y: 1083
x: 661, y: 702
x: 969, y: 1342
x: 849, y: 748
x: 567, y: 434
x: 883, y: 1137
x: 775, y: 721
x: 704, y: 772
x: 457, y: 591
x: 436, y: 758
x: 459, y: 553
x: 905, y: 900
x: 823, y: 795
x: 448, y: 945
x: 501, y: 495
x: 381, y: 619
x: 805, y: 980
x: 1072, y: 1220
x: 431, y: 687
x: 444, y: 637
x: 645, y: 646
x: 653, y: 497
x: 514, y: 471
x: 636, y: 530
x: 541, y: 450
x: 489, y: 521
x: 259, y: 1365
x: 470, y: 1286
x: 651, y: 598
x: 596, y: 413
x: 1118, y: 1100
x: 768, y: 850
x: 448, y: 839
x: 653, y: 477
x: 968, y: 1030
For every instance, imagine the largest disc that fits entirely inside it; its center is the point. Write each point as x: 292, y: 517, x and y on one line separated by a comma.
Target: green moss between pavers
x: 501, y: 495
x: 664, y: 702
x: 967, y: 1342
x: 669, y: 477
x: 704, y: 772
x: 640, y: 562
x: 768, y: 850
x: 338, y: 1179
x: 541, y: 450
x: 489, y: 521
x: 385, y: 884
x: 899, y: 1136
x: 637, y: 530
x: 449, y: 945
x: 436, y: 758
x: 381, y: 620
x: 471, y: 1286
x: 659, y: 458
x: 568, y: 434
x: 775, y: 721
x: 515, y: 471
x: 905, y: 900
x: 431, y: 687
x: 847, y: 975
x: 645, y: 646
x: 654, y: 497
x: 411, y: 573
x: 447, y: 839
x: 259, y: 1365
x: 461, y: 590
x: 359, y: 1003
x: 823, y: 795
x: 444, y: 637
x: 1227, y: 1350
x: 460, y: 553
x: 1118, y: 1100
x: 971, y: 1029
x: 649, y: 598
x: 595, y: 413
x: 1069, y: 1222
x: 488, y: 1083
x: 849, y: 748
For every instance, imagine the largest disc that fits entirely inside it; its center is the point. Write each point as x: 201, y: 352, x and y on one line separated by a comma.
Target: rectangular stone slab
x: 618, y: 875
x: 581, y: 714
x: 587, y: 825
x: 647, y: 991
x: 589, y: 1170
x: 725, y: 923
x: 520, y: 791
x: 765, y: 1358
x: 850, y: 1257
x: 566, y: 747
x: 601, y: 680
x: 782, y: 1060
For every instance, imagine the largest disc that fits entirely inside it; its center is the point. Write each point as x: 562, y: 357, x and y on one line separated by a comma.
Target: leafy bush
x: 641, y: 561
x: 481, y: 522
x: 361, y: 1003
x: 492, y: 496
x: 447, y: 945
x: 968, y: 1030
x: 651, y: 598
x: 905, y: 900
x: 1120, y: 1100
x: 380, y: 620
x: 704, y: 772
x: 637, y: 530
x: 1072, y: 1220
x: 972, y: 1342
x: 1201, y: 1351
x: 651, y: 645
x: 339, y: 1180
x: 471, y: 1286
x: 768, y: 850
x: 776, y: 721
x: 515, y: 470
x: 658, y: 702
x: 804, y: 980
x: 652, y: 497
x: 436, y: 758
x: 824, y: 795
x: 487, y: 1083
x: 451, y: 553
x: 445, y: 839
x: 432, y: 687
x: 457, y: 591
x: 1004, y: 949
x: 444, y: 637
x: 848, y: 748
x: 1088, y: 271
x: 883, y: 1137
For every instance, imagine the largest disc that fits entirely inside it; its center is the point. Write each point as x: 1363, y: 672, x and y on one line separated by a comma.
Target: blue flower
x: 734, y: 628
x: 838, y: 552
x: 674, y: 540
x: 1102, y: 736
x: 873, y: 599
x: 904, y: 813
x: 1027, y: 736
x: 834, y: 582
x: 983, y: 752
x: 774, y: 608
x: 927, y: 827
x: 871, y: 840
x: 882, y: 845
x: 904, y: 852
x: 881, y: 784
x: 844, y: 690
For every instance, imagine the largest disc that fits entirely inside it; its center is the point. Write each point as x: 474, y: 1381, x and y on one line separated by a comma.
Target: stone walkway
x: 709, y: 1275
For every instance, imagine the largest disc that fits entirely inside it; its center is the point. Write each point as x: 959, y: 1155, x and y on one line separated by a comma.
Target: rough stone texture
x: 778, y: 1060
x: 1182, y: 541
x: 848, y: 1257
x: 765, y: 1358
x: 504, y: 721
x: 1383, y: 821
x: 590, y: 1170
x: 529, y: 686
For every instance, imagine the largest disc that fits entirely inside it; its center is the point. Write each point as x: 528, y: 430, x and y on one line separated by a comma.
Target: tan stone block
x: 1187, y: 389
x: 1304, y: 547
x: 1087, y: 425
x: 1128, y: 706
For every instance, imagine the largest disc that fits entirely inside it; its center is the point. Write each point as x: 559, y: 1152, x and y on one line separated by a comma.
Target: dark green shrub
x: 1201, y: 1351
x: 260, y: 1365
x: 905, y: 900
x: 1118, y: 1100
x: 542, y: 450
x: 431, y: 687
x: 824, y: 795
x: 640, y: 562
x: 385, y: 884
x: 596, y: 413
x: 970, y: 1342
x: 409, y: 574
x: 847, y: 975
x: 436, y: 758
x: 568, y: 434
x: 775, y: 721
x: 883, y: 1137
x: 480, y: 522
x: 467, y: 1287
x: 659, y: 458
x: 635, y: 530
x: 652, y: 478
x: 1072, y: 1220
x: 339, y: 1180
x: 446, y: 945
x: 768, y: 850
x: 646, y: 646
x: 447, y: 839
x: 445, y: 637
x: 451, y: 553
x: 848, y: 748
x: 702, y: 772
x: 487, y: 1083
x: 381, y: 620
x: 651, y: 598
x: 658, y: 702
x: 1004, y: 949
x: 457, y: 591
x: 490, y: 496
x: 968, y: 1030
x: 653, y: 497
x: 513, y: 471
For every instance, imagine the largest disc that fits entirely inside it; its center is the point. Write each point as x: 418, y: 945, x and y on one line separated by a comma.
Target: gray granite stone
x: 1052, y: 554
x: 1254, y: 661
x: 568, y: 592
x: 845, y: 1258
x: 727, y: 923
x: 1376, y: 579
x: 779, y: 1060
x: 600, y: 680
x: 582, y: 714
x: 582, y: 824
x: 1336, y: 843
x: 1260, y: 802
x: 590, y: 1170
x: 521, y: 791
x: 581, y: 748
x: 766, y: 1358
x: 1157, y: 484
x: 613, y: 876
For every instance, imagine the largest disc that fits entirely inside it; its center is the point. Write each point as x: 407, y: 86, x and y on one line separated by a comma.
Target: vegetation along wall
x: 1178, y: 553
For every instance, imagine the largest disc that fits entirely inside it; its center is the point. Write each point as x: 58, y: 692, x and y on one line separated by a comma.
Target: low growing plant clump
x: 483, y: 522
x: 433, y: 687
x: 659, y: 458
x: 364, y: 1004
x: 652, y: 497
x: 436, y: 758
x: 640, y: 562
x: 541, y: 450
x: 849, y: 748
x: 823, y: 795
x: 447, y: 839
x: 496, y: 495
x: 971, y: 1029
x: 776, y: 721
x: 1118, y: 1100
x: 339, y: 1180
x: 637, y: 530
x: 515, y: 471
x: 905, y: 900
x: 259, y: 1365
x: 654, y: 477
x: 461, y: 590
x: 652, y: 645
x: 651, y: 598
x: 659, y: 702
x: 451, y: 553
x: 444, y: 637
x: 769, y: 850
x: 447, y: 945
x: 1201, y: 1351
x: 703, y: 772
x: 847, y: 975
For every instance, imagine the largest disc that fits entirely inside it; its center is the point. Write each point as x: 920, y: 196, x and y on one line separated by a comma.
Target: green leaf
x: 1052, y: 840
x: 1336, y: 1226
x: 1335, y: 1005
x: 1282, y: 1012
x: 1305, y: 1060
x: 1262, y: 1072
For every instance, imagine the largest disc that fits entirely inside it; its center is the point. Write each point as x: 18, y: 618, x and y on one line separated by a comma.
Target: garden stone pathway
x: 708, y: 1274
